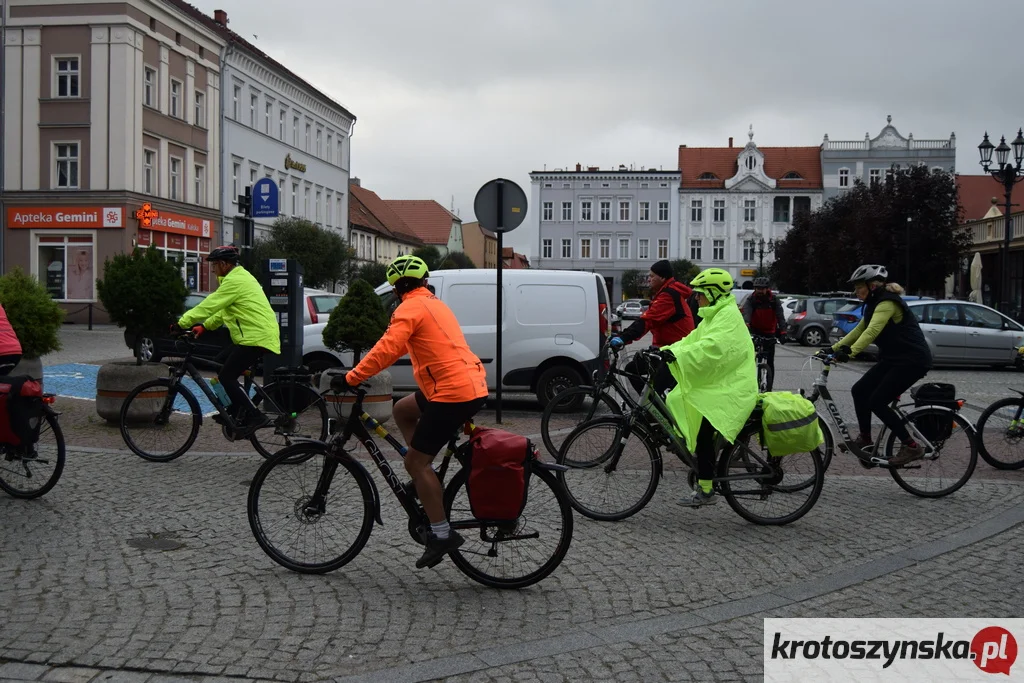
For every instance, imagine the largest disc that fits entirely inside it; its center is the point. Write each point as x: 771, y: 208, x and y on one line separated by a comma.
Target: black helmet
x: 761, y: 282
x: 228, y: 254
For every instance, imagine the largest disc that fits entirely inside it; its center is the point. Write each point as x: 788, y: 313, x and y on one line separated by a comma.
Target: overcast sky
x: 451, y: 93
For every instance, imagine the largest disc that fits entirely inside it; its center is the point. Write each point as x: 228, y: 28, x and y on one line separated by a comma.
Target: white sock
x: 441, y: 530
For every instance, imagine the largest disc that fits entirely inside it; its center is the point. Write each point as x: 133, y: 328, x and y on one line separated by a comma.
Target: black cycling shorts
x: 438, y: 422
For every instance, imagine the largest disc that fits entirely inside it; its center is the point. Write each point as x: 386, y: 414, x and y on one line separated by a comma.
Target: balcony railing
x: 992, y: 230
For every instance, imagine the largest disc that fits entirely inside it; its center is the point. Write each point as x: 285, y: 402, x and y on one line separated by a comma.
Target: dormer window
x: 751, y: 162
x: 707, y: 175
x: 792, y: 175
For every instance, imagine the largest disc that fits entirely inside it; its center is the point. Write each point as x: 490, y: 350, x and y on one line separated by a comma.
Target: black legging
x: 877, y: 389
x: 663, y: 379
x: 238, y: 361
x: 705, y: 450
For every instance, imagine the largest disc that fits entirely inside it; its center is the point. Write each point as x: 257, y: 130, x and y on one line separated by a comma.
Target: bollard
x: 90, y: 317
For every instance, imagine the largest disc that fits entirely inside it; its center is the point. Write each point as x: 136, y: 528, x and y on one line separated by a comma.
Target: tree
x: 457, y: 259
x: 868, y: 224
x: 430, y: 254
x: 357, y: 322
x: 634, y: 283
x: 684, y: 270
x: 374, y: 273
x: 323, y: 254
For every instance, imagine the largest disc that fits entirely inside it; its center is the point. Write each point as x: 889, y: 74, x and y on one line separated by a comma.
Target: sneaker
x: 907, y: 454
x: 699, y: 499
x: 437, y: 549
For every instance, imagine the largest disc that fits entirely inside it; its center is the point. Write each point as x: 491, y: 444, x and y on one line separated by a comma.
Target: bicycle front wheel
x: 592, y: 402
x: 31, y: 471
x: 764, y: 377
x: 296, y: 412
x: 160, y: 420
x: 1001, y: 434
x: 512, y: 554
x: 300, y: 530
x: 946, y: 468
x: 609, y: 478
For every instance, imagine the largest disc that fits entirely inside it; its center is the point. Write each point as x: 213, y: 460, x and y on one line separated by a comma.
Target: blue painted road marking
x: 78, y: 380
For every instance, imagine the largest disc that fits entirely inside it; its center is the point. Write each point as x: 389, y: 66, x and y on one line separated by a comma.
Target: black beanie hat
x: 662, y: 269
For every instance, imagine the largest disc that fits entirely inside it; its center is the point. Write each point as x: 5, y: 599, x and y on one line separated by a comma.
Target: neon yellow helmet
x: 407, y: 266
x: 713, y: 283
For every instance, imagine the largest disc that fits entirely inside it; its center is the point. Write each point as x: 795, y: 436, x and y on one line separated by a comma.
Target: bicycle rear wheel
x: 296, y: 412
x: 1001, y: 434
x: 160, y: 422
x: 593, y: 402
x: 949, y: 466
x: 512, y: 554
x: 31, y: 471
x: 295, y: 532
x: 609, y: 479
x: 785, y: 488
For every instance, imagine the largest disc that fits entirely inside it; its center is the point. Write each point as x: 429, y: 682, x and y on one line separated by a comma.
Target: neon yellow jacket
x: 239, y: 303
x: 716, y: 373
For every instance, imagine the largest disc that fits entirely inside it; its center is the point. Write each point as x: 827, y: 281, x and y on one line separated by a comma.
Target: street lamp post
x: 1008, y: 174
x: 906, y: 279
x: 763, y: 248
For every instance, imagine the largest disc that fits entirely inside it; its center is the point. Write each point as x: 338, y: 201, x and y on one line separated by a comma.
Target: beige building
x: 109, y: 107
x: 376, y: 233
x: 480, y: 244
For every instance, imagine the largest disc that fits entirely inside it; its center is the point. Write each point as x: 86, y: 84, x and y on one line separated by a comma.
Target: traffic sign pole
x: 499, y: 228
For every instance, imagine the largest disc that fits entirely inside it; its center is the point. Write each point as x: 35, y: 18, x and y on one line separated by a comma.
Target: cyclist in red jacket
x: 668, y: 319
x: 762, y: 311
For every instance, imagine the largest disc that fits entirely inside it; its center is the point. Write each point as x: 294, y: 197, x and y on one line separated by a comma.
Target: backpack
x: 21, y: 410
x: 499, y: 464
x: 935, y: 427
x: 789, y: 424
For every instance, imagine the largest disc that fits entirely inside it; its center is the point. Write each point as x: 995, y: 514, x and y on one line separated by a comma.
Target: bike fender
x: 373, y: 486
x: 550, y: 466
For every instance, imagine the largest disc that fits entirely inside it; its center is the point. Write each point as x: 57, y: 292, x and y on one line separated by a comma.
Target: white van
x: 554, y: 324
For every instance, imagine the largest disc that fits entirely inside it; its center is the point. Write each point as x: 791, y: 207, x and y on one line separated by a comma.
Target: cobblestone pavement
x: 669, y: 594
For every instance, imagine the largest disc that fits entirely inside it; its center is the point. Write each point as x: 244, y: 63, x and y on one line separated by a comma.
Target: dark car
x: 154, y: 346
x: 812, y: 319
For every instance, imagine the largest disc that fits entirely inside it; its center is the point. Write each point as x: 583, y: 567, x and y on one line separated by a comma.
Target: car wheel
x: 812, y: 337
x: 145, y: 350
x: 555, y: 380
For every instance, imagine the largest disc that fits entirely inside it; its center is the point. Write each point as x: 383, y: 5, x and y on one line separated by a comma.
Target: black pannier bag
x: 937, y: 427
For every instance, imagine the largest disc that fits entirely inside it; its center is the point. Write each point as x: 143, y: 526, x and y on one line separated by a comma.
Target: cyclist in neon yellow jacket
x: 716, y: 374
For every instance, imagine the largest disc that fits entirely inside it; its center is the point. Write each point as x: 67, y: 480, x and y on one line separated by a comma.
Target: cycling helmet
x: 407, y: 266
x: 228, y: 254
x: 761, y: 282
x: 868, y: 272
x: 713, y: 283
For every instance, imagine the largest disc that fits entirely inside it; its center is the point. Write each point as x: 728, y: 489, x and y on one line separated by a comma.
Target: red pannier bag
x: 499, y: 473
x: 21, y: 410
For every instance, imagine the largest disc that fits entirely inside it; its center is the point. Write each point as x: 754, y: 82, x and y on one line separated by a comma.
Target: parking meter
x: 282, y: 283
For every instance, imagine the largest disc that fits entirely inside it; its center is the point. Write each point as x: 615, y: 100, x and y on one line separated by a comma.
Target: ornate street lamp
x: 1008, y: 174
x: 763, y: 248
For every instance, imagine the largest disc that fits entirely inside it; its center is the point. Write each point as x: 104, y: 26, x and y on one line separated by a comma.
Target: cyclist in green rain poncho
x: 716, y: 374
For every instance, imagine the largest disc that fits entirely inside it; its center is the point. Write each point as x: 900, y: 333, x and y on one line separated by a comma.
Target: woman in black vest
x: 903, y: 357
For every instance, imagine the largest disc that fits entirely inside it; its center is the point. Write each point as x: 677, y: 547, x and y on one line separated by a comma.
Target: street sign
x: 500, y: 205
x: 265, y: 199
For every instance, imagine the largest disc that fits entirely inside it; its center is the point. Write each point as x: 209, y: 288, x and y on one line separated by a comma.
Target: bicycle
x: 932, y: 426
x: 765, y: 374
x: 312, y: 495
x: 30, y: 471
x: 611, y: 476
x: 165, y: 413
x: 1003, y: 426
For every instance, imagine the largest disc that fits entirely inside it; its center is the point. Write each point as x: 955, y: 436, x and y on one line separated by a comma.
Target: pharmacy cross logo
x: 994, y: 650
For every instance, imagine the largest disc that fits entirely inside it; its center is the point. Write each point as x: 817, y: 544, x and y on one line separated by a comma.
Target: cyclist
x: 903, y: 357
x: 10, y: 347
x: 239, y: 303
x: 668, y: 319
x: 762, y: 311
x: 452, y: 388
x: 717, y: 377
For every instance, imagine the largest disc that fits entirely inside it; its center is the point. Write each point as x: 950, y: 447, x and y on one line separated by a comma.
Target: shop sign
x: 290, y: 163
x: 180, y: 224
x: 65, y: 217
x: 746, y: 272
x: 146, y: 215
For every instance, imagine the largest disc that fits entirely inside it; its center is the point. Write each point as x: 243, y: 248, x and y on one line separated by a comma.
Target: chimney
x: 730, y: 141
x: 593, y: 168
x: 579, y: 167
x: 221, y: 17
x: 355, y: 181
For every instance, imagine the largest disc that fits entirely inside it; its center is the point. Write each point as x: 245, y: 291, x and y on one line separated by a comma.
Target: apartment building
x: 376, y: 232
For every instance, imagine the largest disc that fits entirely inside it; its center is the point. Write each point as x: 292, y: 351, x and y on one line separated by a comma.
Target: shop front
x: 186, y: 239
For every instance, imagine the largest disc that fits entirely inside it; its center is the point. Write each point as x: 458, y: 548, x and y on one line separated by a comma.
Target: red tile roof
x: 778, y: 161
x: 513, y: 259
x: 977, y: 191
x: 378, y: 211
x: 427, y: 219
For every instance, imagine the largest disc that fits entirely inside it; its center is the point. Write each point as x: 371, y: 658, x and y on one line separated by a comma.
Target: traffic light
x: 245, y: 203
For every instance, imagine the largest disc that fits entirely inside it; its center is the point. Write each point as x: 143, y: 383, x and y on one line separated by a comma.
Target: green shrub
x: 34, y: 315
x: 141, y: 291
x: 357, y: 322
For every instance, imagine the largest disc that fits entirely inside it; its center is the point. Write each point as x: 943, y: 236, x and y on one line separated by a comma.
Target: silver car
x: 965, y: 333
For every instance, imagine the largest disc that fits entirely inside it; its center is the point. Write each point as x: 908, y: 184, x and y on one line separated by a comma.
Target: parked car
x: 630, y: 310
x: 812, y: 319
x: 848, y: 316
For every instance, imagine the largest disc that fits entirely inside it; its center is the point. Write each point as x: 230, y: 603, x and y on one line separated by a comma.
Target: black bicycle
x: 160, y: 419
x: 1001, y: 433
x: 765, y: 374
x: 31, y: 470
x: 313, y: 505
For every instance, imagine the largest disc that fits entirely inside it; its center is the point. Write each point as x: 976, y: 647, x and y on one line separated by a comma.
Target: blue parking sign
x: 265, y: 199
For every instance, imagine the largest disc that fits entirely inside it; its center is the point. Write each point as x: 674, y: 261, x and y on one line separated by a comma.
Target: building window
x: 548, y: 211
x: 341, y: 149
x: 280, y: 125
x: 319, y: 143
x: 695, y: 250
x: 236, y: 170
x: 643, y: 249
x: 547, y: 186
x: 67, y: 76
x: 874, y: 175
x: 268, y: 113
x: 606, y: 211
x: 586, y: 186
x: 749, y: 210
x: 605, y: 248
x: 663, y: 212
x: 801, y: 206
x: 644, y: 186
x: 585, y: 209
x: 149, y: 88
x: 644, y: 211
x: 624, y: 185
x: 295, y: 193
x: 236, y: 103
x: 780, y: 212
x: 624, y: 210
x: 662, y: 249
x: 566, y: 248
x: 318, y: 206
x: 200, y: 185
x: 68, y: 273
x: 175, y: 106
x: 253, y: 172
x: 148, y: 171
x: 295, y: 132
x: 309, y: 129
x: 546, y: 248
x: 66, y: 165
x: 200, y: 113
x: 254, y: 103
x: 696, y: 210
x: 305, y: 202
x: 748, y: 250
x: 327, y: 207
x: 175, y: 187
x: 718, y: 250
x: 719, y: 207
x: 604, y: 184
x: 623, y: 247
x: 330, y: 152
x: 566, y: 211
x: 844, y: 177
x: 566, y: 186
x: 584, y: 247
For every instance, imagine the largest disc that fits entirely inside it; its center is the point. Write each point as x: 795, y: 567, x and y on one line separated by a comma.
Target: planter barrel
x: 33, y: 367
x: 377, y: 403
x: 116, y: 380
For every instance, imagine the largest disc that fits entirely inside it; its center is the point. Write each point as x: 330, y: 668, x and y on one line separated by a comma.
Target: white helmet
x: 869, y: 272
